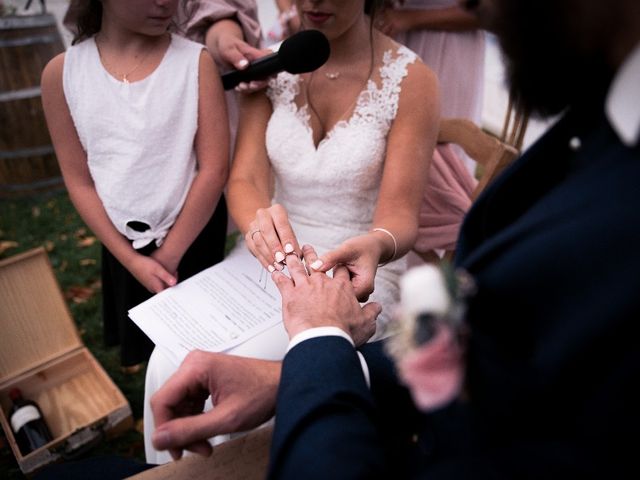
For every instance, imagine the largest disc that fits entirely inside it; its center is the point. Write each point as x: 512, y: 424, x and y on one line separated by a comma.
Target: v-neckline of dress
x: 302, y: 113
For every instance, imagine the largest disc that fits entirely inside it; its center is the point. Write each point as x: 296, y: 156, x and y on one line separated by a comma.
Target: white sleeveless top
x: 138, y: 137
x: 330, y: 192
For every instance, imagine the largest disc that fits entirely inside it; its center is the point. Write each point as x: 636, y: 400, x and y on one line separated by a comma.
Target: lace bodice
x: 333, y: 188
x: 330, y: 191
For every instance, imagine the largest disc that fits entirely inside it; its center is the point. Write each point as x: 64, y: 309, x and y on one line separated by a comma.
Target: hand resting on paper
x: 270, y: 237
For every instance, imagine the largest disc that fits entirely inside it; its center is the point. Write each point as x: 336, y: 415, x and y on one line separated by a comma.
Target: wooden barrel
x: 27, y: 162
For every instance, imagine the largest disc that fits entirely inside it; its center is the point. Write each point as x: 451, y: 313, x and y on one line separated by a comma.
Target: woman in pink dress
x: 448, y: 40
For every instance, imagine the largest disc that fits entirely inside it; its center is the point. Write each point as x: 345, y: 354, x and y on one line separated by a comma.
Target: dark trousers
x: 122, y: 292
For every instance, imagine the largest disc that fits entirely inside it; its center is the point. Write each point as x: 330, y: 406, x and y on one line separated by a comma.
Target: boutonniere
x: 429, y: 330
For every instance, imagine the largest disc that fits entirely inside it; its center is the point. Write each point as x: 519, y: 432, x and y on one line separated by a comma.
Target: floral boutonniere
x: 428, y: 345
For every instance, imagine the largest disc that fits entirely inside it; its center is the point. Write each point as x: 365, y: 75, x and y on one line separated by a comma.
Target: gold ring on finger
x: 254, y: 232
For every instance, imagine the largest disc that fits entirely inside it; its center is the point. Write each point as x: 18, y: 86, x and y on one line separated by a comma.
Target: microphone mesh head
x: 304, y: 51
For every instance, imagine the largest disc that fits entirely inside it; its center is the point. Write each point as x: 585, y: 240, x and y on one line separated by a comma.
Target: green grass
x: 52, y: 222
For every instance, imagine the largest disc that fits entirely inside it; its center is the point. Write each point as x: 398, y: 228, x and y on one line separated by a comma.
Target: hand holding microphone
x: 303, y: 52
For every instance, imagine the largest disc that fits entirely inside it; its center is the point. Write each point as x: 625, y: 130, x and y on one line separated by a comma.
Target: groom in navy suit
x: 552, y: 362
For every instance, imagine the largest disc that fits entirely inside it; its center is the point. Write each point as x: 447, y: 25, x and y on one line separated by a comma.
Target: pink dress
x: 457, y: 58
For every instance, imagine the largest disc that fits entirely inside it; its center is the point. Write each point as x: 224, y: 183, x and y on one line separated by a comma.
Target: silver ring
x: 254, y: 232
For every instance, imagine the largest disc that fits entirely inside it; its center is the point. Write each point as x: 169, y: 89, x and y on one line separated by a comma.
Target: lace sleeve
x: 282, y: 89
x: 392, y: 73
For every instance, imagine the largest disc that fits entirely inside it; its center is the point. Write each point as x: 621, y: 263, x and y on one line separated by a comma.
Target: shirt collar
x: 622, y: 100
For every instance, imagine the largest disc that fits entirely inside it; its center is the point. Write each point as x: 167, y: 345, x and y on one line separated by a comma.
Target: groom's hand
x: 243, y: 392
x: 316, y: 300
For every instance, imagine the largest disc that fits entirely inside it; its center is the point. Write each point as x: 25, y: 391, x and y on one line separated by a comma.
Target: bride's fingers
x: 285, y: 233
x: 270, y: 247
x: 330, y: 259
x: 275, y: 250
x: 257, y: 246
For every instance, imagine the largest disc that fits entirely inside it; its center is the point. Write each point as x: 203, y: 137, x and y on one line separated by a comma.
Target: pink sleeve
x: 195, y: 18
x: 445, y: 202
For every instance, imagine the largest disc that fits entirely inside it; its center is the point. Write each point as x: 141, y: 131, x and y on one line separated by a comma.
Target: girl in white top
x: 138, y: 122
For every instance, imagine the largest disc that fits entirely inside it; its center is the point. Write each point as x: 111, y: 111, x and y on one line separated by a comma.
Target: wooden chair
x: 515, y: 124
x: 243, y: 458
x: 492, y: 155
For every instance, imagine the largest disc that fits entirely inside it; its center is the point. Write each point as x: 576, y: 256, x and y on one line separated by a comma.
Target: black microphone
x: 302, y: 52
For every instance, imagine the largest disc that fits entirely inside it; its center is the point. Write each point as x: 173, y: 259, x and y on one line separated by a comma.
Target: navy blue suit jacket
x: 552, y: 359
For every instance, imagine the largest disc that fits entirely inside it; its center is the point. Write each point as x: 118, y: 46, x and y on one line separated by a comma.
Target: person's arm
x: 324, y: 404
x: 452, y: 19
x: 243, y: 391
x: 327, y: 421
x: 212, y: 153
x: 266, y: 227
x: 196, y: 20
x: 75, y: 171
x: 230, y: 31
x: 410, y: 145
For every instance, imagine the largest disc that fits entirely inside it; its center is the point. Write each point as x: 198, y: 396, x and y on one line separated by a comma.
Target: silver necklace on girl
x: 123, y: 77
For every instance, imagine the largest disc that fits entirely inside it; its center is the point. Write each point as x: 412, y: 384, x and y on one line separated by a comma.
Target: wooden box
x: 41, y: 353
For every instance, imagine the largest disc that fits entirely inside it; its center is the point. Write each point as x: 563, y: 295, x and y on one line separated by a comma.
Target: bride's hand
x: 270, y: 237
x: 361, y: 256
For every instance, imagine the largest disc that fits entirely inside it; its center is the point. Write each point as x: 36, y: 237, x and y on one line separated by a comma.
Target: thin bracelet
x: 395, y: 244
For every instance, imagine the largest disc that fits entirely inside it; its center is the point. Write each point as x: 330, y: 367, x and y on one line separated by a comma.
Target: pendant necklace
x: 123, y: 77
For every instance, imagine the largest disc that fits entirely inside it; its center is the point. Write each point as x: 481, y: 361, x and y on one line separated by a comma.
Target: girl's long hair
x: 88, y: 20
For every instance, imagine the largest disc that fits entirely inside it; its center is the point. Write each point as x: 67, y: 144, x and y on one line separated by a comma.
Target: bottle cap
x: 15, y: 394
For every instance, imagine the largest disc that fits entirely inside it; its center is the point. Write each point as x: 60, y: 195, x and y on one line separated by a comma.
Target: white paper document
x: 215, y: 310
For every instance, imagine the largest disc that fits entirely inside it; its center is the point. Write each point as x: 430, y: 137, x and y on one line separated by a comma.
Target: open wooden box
x: 41, y: 354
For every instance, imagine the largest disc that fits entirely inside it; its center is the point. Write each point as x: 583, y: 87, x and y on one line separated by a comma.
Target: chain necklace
x: 123, y: 77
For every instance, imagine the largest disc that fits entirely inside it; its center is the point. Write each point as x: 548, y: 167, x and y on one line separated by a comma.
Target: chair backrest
x: 515, y: 124
x: 492, y: 154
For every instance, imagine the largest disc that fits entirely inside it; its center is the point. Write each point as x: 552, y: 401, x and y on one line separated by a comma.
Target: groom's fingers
x: 285, y: 284
x: 296, y: 270
x: 340, y: 272
x: 190, y: 433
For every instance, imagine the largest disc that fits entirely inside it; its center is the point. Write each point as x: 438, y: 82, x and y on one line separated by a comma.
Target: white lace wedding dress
x: 330, y: 193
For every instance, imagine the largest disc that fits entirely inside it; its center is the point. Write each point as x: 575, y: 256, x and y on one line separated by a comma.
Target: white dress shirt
x: 622, y: 100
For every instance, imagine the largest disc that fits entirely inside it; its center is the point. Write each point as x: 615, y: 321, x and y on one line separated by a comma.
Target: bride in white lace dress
x: 336, y: 159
